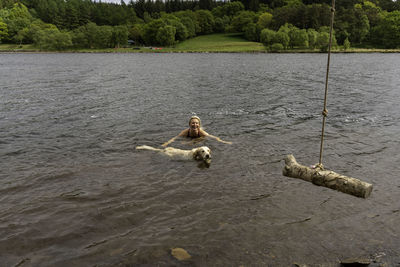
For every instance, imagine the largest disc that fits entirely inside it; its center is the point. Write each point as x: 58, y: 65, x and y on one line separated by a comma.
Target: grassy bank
x: 213, y: 43
x: 218, y: 43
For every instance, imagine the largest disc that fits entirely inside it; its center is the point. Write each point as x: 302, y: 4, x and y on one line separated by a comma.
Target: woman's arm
x: 183, y: 133
x: 216, y: 138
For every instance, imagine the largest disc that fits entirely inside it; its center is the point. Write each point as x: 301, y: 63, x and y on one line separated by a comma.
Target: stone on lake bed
x: 180, y: 254
x: 356, y: 262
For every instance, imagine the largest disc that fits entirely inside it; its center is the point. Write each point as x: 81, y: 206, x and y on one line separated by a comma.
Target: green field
x: 218, y: 43
x: 16, y: 48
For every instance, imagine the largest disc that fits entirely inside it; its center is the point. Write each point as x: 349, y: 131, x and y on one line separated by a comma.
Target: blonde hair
x: 195, y: 117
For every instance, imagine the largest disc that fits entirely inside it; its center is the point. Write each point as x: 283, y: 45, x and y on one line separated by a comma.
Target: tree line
x: 279, y: 24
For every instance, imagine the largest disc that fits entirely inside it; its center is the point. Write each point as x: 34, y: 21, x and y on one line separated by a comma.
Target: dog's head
x: 202, y: 153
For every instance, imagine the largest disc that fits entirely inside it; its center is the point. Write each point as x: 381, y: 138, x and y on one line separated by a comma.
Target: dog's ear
x: 196, y: 154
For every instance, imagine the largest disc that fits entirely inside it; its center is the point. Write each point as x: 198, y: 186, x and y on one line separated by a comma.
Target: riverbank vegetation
x: 198, y: 25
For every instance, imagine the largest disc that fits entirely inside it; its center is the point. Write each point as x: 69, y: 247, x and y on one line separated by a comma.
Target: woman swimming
x: 195, y: 132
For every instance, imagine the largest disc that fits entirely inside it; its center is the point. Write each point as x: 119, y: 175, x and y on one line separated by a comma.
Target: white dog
x: 202, y: 153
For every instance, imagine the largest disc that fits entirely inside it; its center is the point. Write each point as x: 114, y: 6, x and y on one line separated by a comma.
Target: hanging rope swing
x: 318, y: 175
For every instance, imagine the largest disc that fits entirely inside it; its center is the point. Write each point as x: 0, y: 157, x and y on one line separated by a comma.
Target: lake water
x: 75, y: 191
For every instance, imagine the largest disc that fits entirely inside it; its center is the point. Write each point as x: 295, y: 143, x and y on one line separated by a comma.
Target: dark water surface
x: 74, y: 191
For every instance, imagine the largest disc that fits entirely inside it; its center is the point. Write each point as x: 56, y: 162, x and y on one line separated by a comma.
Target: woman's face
x: 194, y: 124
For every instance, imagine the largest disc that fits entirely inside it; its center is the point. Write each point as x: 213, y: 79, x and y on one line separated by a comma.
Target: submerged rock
x: 180, y: 254
x: 356, y: 262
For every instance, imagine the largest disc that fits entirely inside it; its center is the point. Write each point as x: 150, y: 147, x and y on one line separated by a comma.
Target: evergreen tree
x: 387, y: 33
x: 254, y: 5
x: 206, y: 4
x: 7, y: 3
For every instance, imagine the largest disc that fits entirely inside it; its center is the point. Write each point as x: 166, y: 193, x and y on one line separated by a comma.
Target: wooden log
x: 326, y: 178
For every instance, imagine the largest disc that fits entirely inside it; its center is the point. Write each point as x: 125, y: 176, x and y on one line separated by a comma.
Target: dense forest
x: 279, y: 24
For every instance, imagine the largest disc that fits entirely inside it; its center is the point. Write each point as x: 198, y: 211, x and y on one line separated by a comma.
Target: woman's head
x: 194, y: 121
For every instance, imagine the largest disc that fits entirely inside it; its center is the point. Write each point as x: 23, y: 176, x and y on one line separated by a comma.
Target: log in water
x: 326, y: 178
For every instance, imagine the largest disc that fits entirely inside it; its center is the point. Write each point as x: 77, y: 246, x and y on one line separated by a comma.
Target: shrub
x: 251, y: 32
x: 346, y: 44
x: 52, y: 39
x: 276, y: 47
x: 219, y: 25
x: 267, y: 36
x: 166, y: 35
x: 265, y: 20
x: 150, y: 31
x: 281, y: 38
x: 243, y: 19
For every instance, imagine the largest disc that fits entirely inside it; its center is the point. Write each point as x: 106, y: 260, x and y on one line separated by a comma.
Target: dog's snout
x: 208, y: 156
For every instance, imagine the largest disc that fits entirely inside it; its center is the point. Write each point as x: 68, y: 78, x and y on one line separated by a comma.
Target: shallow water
x: 75, y: 191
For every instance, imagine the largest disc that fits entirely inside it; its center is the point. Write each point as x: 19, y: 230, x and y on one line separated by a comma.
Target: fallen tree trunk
x: 326, y: 178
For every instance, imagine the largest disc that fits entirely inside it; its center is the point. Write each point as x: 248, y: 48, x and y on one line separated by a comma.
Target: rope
x: 325, y: 111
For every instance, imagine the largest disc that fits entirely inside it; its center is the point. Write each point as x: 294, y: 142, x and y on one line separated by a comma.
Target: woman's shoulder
x: 203, y: 133
x: 184, y: 132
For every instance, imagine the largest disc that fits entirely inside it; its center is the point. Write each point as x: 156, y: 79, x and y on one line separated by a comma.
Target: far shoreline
x: 212, y: 43
x: 203, y: 44
x: 177, y: 51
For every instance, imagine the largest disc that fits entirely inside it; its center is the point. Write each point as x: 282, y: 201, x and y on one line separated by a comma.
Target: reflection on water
x: 74, y: 189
